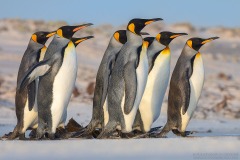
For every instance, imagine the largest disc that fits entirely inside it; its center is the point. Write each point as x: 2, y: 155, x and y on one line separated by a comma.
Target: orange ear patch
x: 34, y: 37
x: 158, y: 37
x: 189, y: 43
x: 59, y: 32
x: 116, y: 36
x: 131, y: 27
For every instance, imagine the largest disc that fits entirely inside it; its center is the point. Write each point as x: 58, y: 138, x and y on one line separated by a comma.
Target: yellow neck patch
x: 34, y: 37
x: 145, y: 44
x: 189, y: 43
x: 70, y: 44
x: 131, y: 27
x: 158, y: 37
x: 42, y: 54
x: 59, y: 32
x: 166, y: 50
x: 198, y: 55
x: 116, y: 36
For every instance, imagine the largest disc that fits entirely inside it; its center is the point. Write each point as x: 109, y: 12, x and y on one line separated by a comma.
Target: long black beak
x: 51, y: 34
x: 175, y: 35
x: 152, y: 20
x: 77, y: 28
x: 209, y: 40
x: 76, y: 41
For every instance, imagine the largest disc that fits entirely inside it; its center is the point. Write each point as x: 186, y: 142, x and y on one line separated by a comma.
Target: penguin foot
x: 107, y: 130
x: 104, y: 135
x: 81, y: 134
x: 62, y: 133
x: 22, y: 136
x: 39, y: 135
x: 7, y: 135
x: 92, y: 126
x: 183, y: 134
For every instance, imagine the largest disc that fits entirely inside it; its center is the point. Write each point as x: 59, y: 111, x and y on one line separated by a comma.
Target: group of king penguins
x: 131, y: 82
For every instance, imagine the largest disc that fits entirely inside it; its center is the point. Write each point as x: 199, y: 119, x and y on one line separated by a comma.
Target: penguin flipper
x: 35, y: 71
x: 186, y: 90
x: 130, y: 78
x: 31, y: 94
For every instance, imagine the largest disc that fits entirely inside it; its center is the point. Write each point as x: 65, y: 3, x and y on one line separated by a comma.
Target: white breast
x: 157, y: 83
x: 105, y: 112
x: 142, y: 73
x: 196, y: 83
x: 63, y: 86
x: 30, y: 117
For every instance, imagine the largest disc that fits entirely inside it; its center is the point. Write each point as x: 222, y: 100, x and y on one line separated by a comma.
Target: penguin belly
x: 142, y: 74
x: 63, y: 86
x: 105, y: 112
x: 196, y: 84
x: 30, y: 118
x: 158, y: 78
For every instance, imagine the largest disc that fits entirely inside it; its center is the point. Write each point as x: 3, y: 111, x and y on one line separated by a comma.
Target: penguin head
x: 120, y: 36
x: 166, y: 37
x: 136, y: 25
x: 147, y: 41
x: 68, y: 31
x: 76, y: 41
x: 42, y: 37
x: 196, y: 43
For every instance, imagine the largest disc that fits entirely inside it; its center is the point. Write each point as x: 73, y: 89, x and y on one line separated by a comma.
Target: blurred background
x: 220, y: 98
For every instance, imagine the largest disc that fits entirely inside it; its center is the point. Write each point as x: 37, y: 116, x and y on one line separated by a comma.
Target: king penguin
x: 185, y: 87
x: 100, y: 115
x: 57, y: 75
x: 158, y: 76
x: 123, y: 83
x: 26, y: 109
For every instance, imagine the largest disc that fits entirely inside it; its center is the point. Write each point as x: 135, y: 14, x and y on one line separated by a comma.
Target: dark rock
x: 73, y: 126
x: 221, y: 105
x: 91, y: 88
x: 224, y: 76
x: 76, y: 93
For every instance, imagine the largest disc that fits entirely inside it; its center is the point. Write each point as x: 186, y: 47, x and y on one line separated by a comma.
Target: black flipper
x: 31, y: 94
x: 186, y: 88
x: 35, y: 71
x: 130, y: 78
